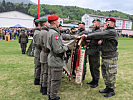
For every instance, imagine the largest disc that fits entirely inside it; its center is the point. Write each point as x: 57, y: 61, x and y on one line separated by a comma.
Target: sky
x: 125, y: 6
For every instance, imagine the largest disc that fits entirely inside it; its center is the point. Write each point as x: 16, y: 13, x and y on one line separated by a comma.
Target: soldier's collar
x: 44, y: 28
x: 54, y: 28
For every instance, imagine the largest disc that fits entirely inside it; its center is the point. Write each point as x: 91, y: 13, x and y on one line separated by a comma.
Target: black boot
x: 44, y: 90
x: 105, y: 90
x: 110, y: 93
x: 41, y: 89
x: 37, y: 82
x: 57, y: 98
x: 94, y: 85
x: 90, y: 83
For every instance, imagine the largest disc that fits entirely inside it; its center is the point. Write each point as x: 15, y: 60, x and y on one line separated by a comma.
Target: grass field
x: 17, y: 75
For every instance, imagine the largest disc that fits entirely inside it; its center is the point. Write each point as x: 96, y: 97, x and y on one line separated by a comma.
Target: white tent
x: 12, y: 18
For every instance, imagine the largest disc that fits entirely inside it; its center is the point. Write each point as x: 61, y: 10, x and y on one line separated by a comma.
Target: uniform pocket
x: 112, y: 69
x: 57, y: 74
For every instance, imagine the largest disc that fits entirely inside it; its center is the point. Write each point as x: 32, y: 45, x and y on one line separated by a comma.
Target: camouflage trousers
x: 54, y: 80
x: 109, y: 71
x: 44, y: 74
x: 37, y: 68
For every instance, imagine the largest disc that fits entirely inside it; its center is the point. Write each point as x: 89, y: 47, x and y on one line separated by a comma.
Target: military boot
x: 41, y: 89
x: 37, y: 82
x: 57, y: 98
x: 95, y: 84
x: 105, y: 90
x: 90, y: 83
x: 44, y: 90
x: 110, y: 93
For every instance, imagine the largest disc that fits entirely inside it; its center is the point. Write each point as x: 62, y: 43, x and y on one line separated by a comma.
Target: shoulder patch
x: 56, y: 37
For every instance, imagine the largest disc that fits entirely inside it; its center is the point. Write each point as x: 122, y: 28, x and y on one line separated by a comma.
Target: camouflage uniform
x: 109, y: 45
x: 55, y: 60
x: 23, y: 40
x: 36, y: 44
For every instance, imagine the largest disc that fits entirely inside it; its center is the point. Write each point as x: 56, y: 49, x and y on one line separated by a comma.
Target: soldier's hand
x: 84, y: 36
x: 77, y: 37
x: 100, y: 42
x: 88, y: 41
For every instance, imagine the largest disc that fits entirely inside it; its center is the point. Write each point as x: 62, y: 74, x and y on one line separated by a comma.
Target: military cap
x: 72, y: 27
x: 96, y: 20
x: 37, y: 21
x: 60, y: 25
x: 81, y: 23
x: 43, y: 19
x: 111, y: 19
x: 53, y: 17
x: 93, y: 20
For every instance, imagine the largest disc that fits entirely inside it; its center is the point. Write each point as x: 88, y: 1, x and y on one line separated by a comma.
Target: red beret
x: 53, y: 17
x: 111, y: 19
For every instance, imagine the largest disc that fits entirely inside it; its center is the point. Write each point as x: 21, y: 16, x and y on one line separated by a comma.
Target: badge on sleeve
x: 56, y: 37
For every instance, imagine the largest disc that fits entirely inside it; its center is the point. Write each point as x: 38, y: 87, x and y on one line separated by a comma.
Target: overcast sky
x: 125, y: 6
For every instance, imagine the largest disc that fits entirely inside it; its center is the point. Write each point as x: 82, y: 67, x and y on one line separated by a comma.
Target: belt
x: 108, y: 53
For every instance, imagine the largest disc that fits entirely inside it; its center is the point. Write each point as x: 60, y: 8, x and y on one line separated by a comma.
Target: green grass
x: 17, y: 75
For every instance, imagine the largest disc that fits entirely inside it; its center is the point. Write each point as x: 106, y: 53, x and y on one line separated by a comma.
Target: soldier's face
x: 57, y: 23
x: 81, y: 26
x: 73, y: 30
x: 110, y: 24
x: 96, y: 24
x: 47, y: 24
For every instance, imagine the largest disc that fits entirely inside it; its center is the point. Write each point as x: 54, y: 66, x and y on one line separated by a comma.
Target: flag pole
x: 38, y: 9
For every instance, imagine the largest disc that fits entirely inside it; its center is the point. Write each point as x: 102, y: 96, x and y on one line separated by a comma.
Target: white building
x: 12, y: 18
x: 120, y: 22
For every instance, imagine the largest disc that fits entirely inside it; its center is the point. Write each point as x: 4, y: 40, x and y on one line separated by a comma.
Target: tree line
x: 73, y: 12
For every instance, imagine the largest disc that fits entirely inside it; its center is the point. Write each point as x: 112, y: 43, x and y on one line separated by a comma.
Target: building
x: 12, y: 18
x: 121, y: 23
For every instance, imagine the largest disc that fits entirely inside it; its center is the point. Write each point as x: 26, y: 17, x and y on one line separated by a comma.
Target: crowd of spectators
x: 14, y: 33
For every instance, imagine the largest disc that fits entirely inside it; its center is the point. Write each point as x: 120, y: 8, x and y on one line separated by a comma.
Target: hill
x: 19, y: 1
x: 74, y: 12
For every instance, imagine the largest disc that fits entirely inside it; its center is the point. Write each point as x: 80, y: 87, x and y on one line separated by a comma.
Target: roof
x: 15, y: 15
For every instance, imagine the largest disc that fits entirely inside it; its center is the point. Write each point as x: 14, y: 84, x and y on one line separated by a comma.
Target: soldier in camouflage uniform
x: 23, y: 40
x: 109, y: 45
x: 44, y: 55
x: 36, y: 45
x: 94, y: 55
x: 55, y: 57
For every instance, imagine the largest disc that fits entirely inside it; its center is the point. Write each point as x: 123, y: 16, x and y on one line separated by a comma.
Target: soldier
x: 73, y: 30
x: 80, y: 32
x: 94, y: 55
x: 23, y: 40
x: 36, y: 45
x: 109, y: 55
x: 44, y: 55
x: 55, y: 57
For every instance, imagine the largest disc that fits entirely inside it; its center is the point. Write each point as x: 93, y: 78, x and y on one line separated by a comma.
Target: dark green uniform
x: 36, y: 44
x: 23, y: 40
x: 109, y: 45
x: 94, y: 57
x: 43, y: 59
x: 55, y: 60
